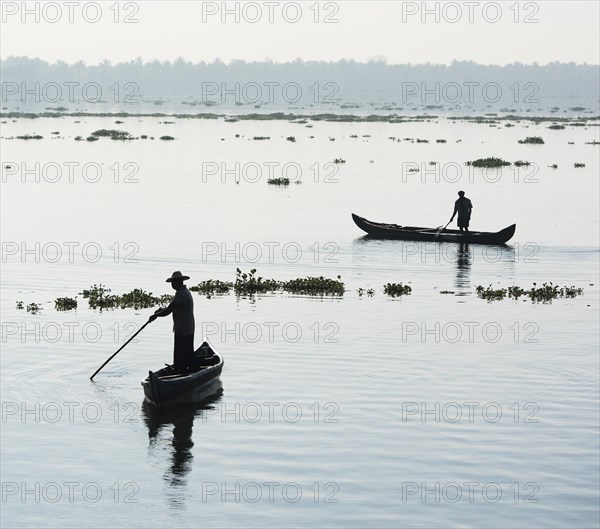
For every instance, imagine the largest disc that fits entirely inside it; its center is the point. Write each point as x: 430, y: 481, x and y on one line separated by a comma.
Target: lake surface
x: 431, y: 410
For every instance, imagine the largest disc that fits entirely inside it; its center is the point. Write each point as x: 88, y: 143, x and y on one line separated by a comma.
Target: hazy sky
x: 527, y: 32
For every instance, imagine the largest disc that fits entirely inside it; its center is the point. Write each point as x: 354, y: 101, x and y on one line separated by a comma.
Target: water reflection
x: 180, y: 445
x: 442, y: 261
x: 463, y: 270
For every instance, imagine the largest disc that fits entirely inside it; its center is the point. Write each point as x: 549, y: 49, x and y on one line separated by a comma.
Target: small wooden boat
x: 167, y: 388
x: 380, y: 230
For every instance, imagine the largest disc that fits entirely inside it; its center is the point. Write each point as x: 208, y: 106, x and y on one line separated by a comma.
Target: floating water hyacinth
x: 34, y: 308
x: 532, y: 139
x: 113, y: 134
x: 30, y: 137
x: 278, y: 181
x: 211, y: 287
x: 362, y: 291
x: 397, y: 289
x: 488, y: 162
x: 546, y: 293
x: 248, y: 284
x: 314, y: 286
x: 65, y: 304
x: 99, y: 297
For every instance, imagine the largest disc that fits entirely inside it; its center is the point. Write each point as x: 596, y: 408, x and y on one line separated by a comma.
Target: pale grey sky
x: 541, y: 31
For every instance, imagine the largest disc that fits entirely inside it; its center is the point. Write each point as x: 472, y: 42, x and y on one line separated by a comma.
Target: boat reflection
x: 159, y: 420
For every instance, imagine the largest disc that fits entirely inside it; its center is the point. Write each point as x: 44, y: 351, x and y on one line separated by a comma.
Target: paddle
x: 115, y: 354
x: 442, y: 229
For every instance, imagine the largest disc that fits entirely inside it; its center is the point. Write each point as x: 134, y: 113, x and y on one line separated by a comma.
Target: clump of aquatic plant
x: 521, y: 163
x: 440, y: 141
x: 532, y: 139
x: 291, y: 138
x: 249, y: 284
x: 65, y: 303
x: 34, y: 308
x: 362, y: 291
x: 164, y: 299
x: 396, y: 289
x: 30, y: 137
x: 167, y: 138
x: 446, y: 291
x: 78, y: 138
x: 488, y: 162
x: 99, y: 297
x: 137, y: 299
x: 261, y: 138
x: 212, y: 286
x: 339, y: 160
x: 113, y: 134
x: 556, y: 127
x: 314, y: 286
x: 578, y: 165
x: 553, y: 166
x: 490, y: 293
x: 278, y: 181
x: 20, y: 305
x: 516, y: 292
x: 92, y: 138
x: 546, y: 293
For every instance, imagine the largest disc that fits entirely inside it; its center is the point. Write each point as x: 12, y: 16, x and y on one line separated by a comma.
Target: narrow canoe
x: 381, y: 230
x: 166, y: 388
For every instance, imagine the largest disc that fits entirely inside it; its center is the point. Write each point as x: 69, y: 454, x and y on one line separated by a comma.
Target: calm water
x: 360, y: 411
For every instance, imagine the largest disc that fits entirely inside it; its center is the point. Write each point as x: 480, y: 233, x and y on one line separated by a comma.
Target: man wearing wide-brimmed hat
x: 182, y: 308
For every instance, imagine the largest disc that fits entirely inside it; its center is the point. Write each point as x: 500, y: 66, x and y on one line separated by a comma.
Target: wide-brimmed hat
x: 177, y: 275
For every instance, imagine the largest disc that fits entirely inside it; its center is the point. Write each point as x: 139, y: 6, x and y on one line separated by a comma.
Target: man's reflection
x: 182, y: 418
x: 463, y: 270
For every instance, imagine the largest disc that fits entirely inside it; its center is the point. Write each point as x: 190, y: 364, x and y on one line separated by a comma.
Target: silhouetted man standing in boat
x: 463, y: 207
x: 182, y: 308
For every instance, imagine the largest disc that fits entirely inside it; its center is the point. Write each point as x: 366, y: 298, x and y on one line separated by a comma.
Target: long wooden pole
x: 120, y: 349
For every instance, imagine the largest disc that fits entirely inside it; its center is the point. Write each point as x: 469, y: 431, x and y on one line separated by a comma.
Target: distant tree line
x: 182, y: 77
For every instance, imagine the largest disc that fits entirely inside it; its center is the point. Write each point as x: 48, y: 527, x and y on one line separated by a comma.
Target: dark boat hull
x: 164, y: 388
x: 381, y: 230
